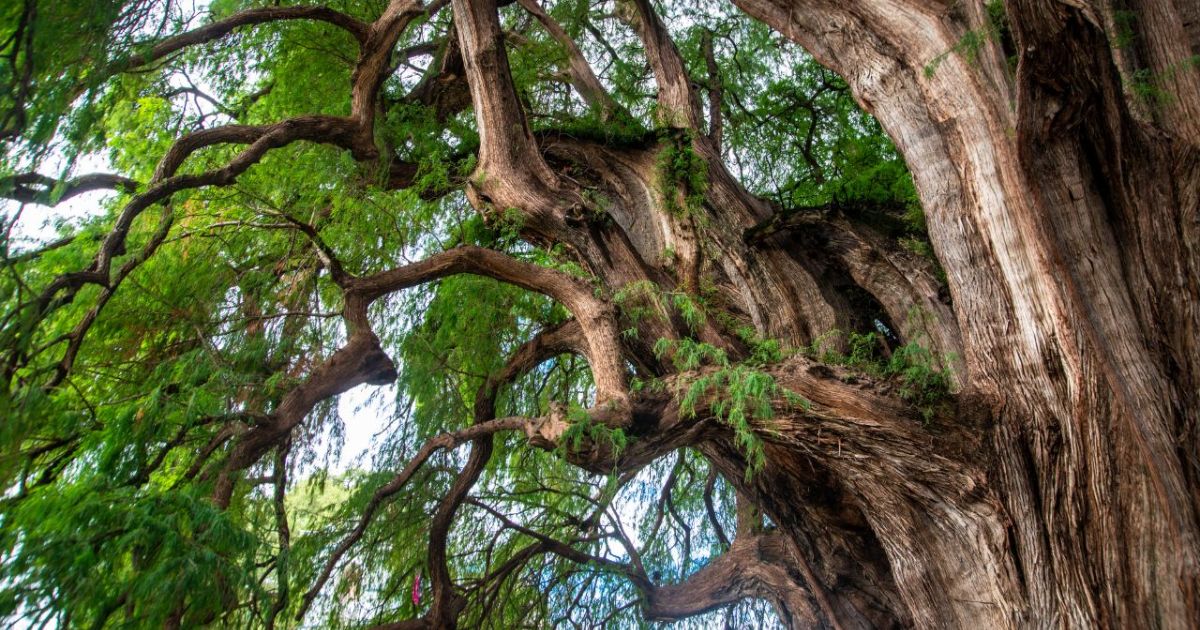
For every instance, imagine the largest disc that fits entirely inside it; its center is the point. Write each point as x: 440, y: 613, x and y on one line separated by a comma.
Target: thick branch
x: 354, y: 133
x: 373, y: 63
x: 360, y: 361
x: 752, y: 567
x: 596, y: 317
x: 249, y: 17
x: 680, y: 106
x: 507, y: 151
x: 40, y: 189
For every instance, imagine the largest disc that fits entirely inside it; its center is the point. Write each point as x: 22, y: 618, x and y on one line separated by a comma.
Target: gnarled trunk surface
x: 1064, y: 211
x: 1060, y: 487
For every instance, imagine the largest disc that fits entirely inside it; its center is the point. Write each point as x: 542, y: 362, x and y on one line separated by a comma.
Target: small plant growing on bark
x: 921, y: 375
x: 740, y: 394
x: 682, y: 173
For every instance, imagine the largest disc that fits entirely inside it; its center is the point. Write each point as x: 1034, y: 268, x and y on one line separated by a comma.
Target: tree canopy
x: 644, y: 307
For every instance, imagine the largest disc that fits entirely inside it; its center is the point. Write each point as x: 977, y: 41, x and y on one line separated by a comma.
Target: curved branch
x: 596, y: 317
x: 35, y: 188
x: 445, y: 441
x: 372, y: 66
x: 354, y: 133
x: 751, y: 567
x: 249, y: 17
x: 561, y: 548
x: 63, y: 289
x: 446, y: 602
x: 362, y: 360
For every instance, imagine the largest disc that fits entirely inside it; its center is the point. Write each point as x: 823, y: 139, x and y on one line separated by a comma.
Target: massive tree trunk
x: 1064, y: 211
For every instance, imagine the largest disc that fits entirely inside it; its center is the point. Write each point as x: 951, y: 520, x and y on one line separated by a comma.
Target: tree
x: 666, y: 271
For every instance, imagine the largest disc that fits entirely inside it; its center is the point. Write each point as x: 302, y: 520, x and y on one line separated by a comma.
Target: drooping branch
x: 63, y: 288
x: 35, y: 188
x: 563, y: 548
x: 77, y: 334
x: 446, y: 602
x: 249, y: 17
x: 567, y: 337
x: 445, y: 441
x: 362, y: 360
x: 284, y: 534
x: 596, y: 318
x: 354, y: 133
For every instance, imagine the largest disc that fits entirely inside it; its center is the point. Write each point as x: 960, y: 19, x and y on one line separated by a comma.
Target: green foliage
x: 107, y: 518
x: 151, y: 547
x: 682, y: 174
x: 644, y: 299
x: 1149, y: 86
x: 583, y: 430
x: 739, y: 395
x: 924, y: 379
x: 1125, y: 22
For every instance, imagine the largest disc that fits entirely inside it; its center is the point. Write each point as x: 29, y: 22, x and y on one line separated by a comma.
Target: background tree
x: 678, y: 340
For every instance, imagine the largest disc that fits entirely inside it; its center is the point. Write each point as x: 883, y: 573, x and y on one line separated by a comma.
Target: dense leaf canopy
x: 196, y: 195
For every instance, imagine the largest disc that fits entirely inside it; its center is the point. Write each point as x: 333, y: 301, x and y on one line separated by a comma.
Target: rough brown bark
x: 1064, y: 215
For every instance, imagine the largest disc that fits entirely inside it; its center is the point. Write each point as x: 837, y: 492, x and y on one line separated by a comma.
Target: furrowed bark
x: 1058, y: 487
x: 680, y: 106
x: 508, y: 155
x: 1065, y: 225
x: 753, y: 567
